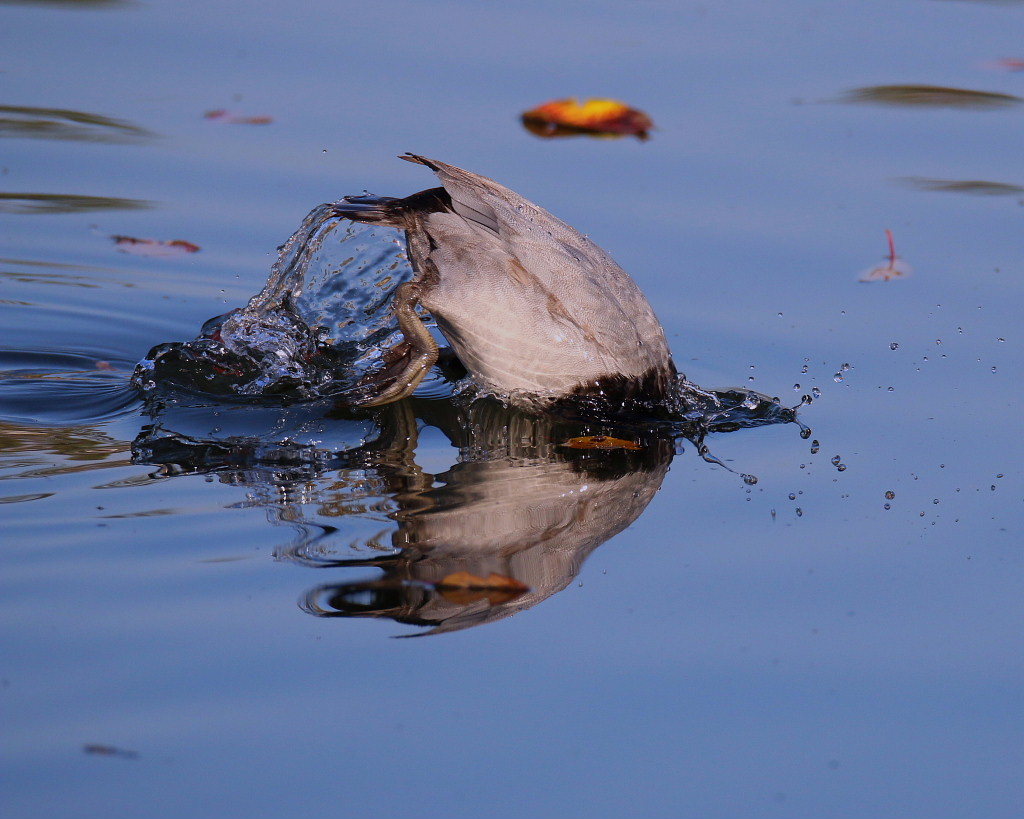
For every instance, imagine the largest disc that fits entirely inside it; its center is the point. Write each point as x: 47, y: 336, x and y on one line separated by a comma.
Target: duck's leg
x: 408, y: 361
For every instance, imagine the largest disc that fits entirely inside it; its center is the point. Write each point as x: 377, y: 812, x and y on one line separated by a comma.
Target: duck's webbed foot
x: 405, y: 364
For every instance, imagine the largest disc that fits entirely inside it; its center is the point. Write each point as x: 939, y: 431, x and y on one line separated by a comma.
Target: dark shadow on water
x: 930, y: 96
x: 24, y: 122
x: 54, y: 203
x: 74, y: 5
x: 975, y: 187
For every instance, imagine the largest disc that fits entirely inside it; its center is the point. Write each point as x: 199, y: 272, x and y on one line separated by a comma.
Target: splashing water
x: 316, y: 330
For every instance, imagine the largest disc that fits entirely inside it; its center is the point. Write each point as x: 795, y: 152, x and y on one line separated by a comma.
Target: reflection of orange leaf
x: 601, y: 442
x: 599, y: 117
x: 464, y: 588
x: 223, y: 115
x: 153, y: 247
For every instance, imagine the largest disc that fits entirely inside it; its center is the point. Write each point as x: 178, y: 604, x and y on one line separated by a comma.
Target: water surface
x: 689, y: 645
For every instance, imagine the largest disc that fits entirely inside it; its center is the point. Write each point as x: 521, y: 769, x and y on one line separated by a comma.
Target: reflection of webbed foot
x: 406, y: 363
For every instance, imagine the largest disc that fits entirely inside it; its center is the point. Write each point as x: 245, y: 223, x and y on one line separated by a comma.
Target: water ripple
x: 63, y: 387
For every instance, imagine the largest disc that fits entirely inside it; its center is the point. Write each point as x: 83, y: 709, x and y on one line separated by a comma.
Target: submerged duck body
x: 532, y: 308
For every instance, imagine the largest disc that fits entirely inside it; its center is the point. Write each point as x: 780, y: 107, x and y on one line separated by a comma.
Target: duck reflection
x: 505, y: 527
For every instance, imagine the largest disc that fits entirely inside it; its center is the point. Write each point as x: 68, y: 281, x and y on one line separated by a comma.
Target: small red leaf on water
x: 596, y: 117
x: 153, y: 247
x: 894, y: 267
x: 1007, y: 64
x: 601, y: 442
x: 233, y: 118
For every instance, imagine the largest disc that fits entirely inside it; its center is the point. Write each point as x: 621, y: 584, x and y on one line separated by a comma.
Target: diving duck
x: 533, y: 309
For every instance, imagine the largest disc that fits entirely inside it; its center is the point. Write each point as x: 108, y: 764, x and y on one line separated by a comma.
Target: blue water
x: 725, y: 655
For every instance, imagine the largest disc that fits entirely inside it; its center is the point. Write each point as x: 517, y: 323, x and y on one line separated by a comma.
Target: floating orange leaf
x: 601, y: 442
x: 153, y: 247
x: 894, y: 268
x: 597, y: 117
x: 464, y: 588
x: 223, y: 115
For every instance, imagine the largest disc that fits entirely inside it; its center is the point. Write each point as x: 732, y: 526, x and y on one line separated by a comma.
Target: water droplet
x: 836, y: 460
x: 845, y: 367
x: 815, y: 392
x: 799, y: 512
x: 841, y: 468
x: 796, y: 387
x: 993, y: 369
x: 935, y: 500
x: 887, y: 506
x: 750, y: 480
x: 837, y: 377
x: 815, y: 446
x: 1000, y: 340
x: 894, y: 345
x: 805, y: 433
x: 792, y: 495
x: 889, y: 495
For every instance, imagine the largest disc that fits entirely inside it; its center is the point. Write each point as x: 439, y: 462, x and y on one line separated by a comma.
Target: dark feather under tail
x: 388, y: 210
